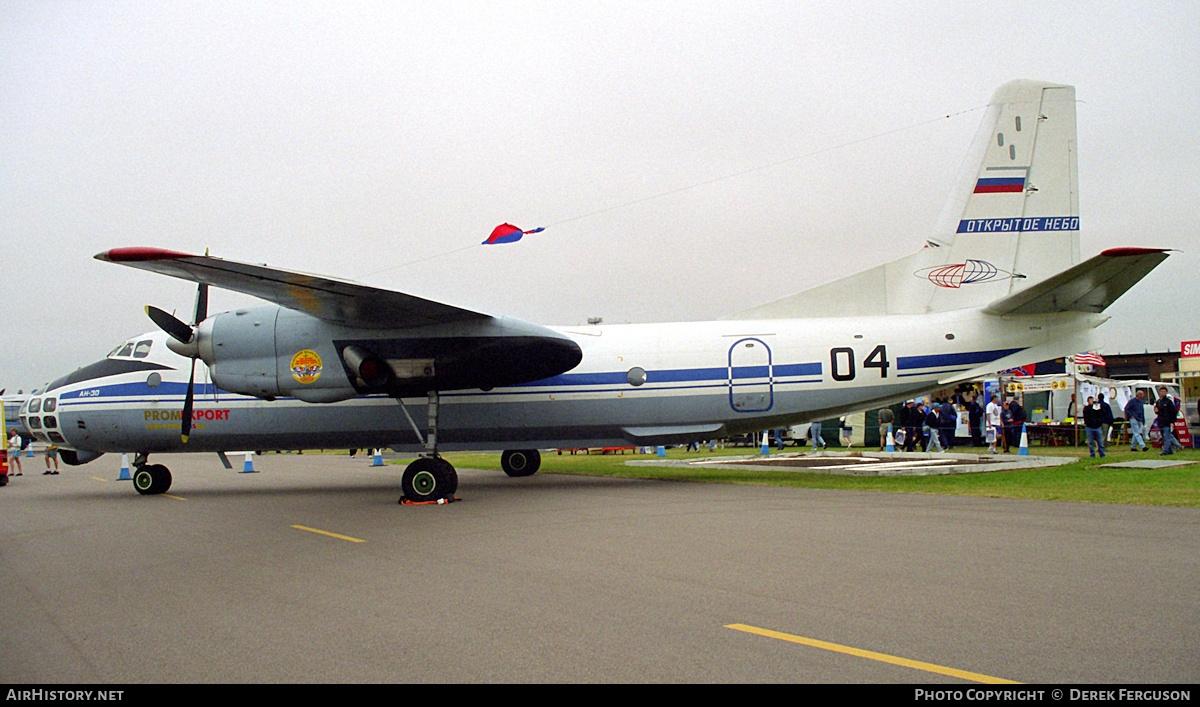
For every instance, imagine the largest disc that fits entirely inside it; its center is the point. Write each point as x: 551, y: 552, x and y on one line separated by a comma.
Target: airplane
x: 328, y: 363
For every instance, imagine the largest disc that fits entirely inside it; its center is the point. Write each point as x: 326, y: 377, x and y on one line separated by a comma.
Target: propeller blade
x: 201, y: 304
x: 187, y: 404
x: 167, y: 322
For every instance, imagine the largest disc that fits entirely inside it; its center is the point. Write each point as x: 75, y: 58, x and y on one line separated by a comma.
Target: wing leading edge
x: 336, y: 301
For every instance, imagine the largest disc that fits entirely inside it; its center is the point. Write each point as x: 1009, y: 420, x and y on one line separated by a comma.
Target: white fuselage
x: 636, y: 384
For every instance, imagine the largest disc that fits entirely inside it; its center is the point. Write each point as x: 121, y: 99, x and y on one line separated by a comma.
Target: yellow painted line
x: 177, y: 498
x: 332, y: 535
x: 872, y: 655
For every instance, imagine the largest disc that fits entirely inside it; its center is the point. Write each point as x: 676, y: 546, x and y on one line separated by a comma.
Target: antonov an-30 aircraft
x: 334, y: 364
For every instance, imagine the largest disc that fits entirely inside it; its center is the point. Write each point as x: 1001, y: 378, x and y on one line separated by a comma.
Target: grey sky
x: 352, y: 139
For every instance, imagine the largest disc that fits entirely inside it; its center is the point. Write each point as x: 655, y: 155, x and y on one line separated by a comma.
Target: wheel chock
x: 439, y: 502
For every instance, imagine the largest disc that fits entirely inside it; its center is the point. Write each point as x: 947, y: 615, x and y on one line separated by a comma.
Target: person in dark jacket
x: 910, y: 417
x: 948, y: 422
x: 975, y: 416
x: 1092, y: 419
x: 1006, y: 417
x: 1018, y: 419
x: 1106, y: 416
x: 1165, y: 412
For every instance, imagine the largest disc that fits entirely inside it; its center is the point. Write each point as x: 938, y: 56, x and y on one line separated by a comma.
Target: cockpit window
x: 35, y: 405
x: 140, y: 349
x: 49, y: 404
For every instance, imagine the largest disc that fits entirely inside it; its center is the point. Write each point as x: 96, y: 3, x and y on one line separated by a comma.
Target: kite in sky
x: 507, y: 233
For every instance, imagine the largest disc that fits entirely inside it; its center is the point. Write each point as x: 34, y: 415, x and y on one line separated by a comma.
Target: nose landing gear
x: 150, y: 479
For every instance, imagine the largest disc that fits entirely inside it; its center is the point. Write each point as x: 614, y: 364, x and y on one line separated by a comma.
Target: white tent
x: 1063, y: 386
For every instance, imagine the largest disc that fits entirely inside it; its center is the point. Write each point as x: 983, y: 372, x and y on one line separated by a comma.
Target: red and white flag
x: 1089, y: 359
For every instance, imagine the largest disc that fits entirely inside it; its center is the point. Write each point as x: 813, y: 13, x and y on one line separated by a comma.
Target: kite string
x: 706, y: 182
x: 419, y: 260
x: 744, y: 172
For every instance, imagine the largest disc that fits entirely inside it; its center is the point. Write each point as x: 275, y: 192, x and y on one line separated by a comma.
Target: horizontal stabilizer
x: 1090, y: 286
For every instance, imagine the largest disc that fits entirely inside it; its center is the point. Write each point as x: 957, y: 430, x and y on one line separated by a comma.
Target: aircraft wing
x: 1090, y: 286
x: 336, y: 301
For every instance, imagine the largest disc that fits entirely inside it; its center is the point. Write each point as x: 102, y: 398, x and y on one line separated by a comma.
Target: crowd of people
x: 930, y: 426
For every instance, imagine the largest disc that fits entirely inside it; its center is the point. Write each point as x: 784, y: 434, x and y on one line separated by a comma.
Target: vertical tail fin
x: 1011, y: 221
x: 1013, y: 218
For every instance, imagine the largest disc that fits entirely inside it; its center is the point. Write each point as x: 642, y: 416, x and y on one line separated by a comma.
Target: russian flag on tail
x: 999, y: 185
x: 507, y: 233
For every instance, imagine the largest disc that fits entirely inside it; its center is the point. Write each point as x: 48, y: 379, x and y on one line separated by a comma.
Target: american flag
x: 1085, y: 359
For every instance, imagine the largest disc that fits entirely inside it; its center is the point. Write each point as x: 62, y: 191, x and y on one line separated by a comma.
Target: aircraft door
x: 750, y: 382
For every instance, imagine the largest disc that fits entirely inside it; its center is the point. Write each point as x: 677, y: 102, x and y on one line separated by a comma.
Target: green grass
x: 1082, y: 480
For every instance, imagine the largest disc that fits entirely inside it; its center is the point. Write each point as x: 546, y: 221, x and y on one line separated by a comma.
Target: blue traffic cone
x: 661, y: 451
x: 377, y: 458
x: 248, y: 468
x: 891, y: 441
x: 124, y: 476
x: 1024, y: 449
x: 766, y: 443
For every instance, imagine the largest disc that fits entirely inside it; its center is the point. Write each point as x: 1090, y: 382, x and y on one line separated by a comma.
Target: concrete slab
x: 870, y: 463
x: 1148, y: 464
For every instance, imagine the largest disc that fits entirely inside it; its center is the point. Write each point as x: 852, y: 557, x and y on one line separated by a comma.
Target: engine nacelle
x: 268, y: 352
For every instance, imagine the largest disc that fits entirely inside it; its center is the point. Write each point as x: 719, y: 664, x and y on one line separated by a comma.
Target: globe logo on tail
x: 955, y: 275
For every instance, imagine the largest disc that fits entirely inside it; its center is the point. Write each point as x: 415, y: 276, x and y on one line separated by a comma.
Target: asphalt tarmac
x: 309, y: 571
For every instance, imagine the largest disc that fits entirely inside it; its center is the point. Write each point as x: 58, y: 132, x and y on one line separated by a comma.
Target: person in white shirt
x: 995, y: 423
x: 14, y: 454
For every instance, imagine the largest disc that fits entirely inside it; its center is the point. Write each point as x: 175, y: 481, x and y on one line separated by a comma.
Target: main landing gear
x: 150, y: 479
x: 520, y: 462
x: 430, y: 478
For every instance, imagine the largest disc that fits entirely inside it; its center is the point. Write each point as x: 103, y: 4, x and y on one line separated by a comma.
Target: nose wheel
x: 151, y: 479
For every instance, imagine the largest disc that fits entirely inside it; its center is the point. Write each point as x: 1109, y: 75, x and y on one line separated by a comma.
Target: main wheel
x: 520, y: 462
x: 152, y: 479
x: 428, y: 479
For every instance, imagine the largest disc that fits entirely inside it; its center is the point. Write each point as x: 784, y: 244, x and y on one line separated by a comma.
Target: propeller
x: 186, y: 335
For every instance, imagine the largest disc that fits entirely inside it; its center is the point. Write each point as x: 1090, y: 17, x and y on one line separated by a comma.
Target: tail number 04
x: 841, y: 362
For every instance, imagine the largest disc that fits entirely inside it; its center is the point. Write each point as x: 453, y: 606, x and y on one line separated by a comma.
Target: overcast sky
x: 358, y: 139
